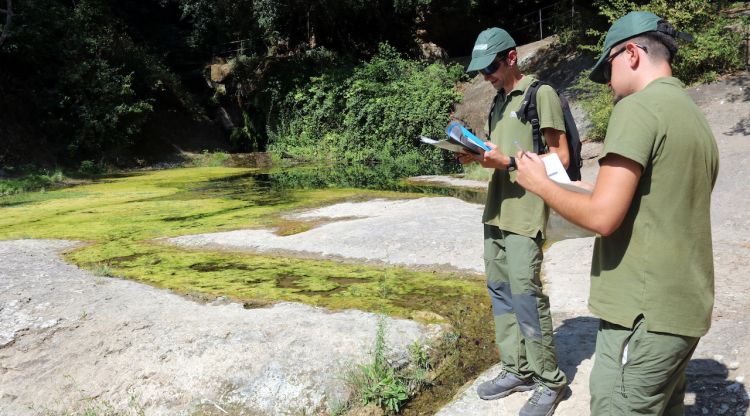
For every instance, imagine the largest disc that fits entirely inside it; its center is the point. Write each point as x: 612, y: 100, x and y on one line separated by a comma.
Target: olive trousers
x: 637, y: 372
x: 523, y: 323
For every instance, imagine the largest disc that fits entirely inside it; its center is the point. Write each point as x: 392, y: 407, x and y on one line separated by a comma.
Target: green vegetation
x: 375, y: 113
x: 596, y: 100
x: 131, y: 72
x: 309, y: 79
x: 378, y: 382
x: 715, y: 50
x: 107, y: 84
x: 208, y: 159
x: 35, y: 181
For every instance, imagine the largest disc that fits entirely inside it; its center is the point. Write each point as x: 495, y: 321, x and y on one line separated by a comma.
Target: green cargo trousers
x: 637, y: 372
x: 523, y: 324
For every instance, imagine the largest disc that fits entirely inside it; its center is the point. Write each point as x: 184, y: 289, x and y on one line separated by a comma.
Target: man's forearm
x: 601, y: 212
x: 580, y: 209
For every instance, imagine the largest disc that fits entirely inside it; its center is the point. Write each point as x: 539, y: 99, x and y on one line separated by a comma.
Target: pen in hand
x: 520, y: 149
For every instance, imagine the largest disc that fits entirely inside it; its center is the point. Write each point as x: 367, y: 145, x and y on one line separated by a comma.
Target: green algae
x: 243, y: 276
x: 123, y: 219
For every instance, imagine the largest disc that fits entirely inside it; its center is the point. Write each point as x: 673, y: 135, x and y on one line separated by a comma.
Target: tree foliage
x: 92, y: 86
x: 373, y: 113
x: 90, y: 79
x: 715, y: 48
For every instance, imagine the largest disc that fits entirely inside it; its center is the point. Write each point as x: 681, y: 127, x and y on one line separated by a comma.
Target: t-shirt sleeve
x: 631, y: 132
x: 549, y: 109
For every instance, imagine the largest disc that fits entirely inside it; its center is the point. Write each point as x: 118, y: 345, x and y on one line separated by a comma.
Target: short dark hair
x: 504, y: 54
x: 660, y: 45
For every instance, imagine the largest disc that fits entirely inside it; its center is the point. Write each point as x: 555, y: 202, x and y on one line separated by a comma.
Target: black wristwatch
x: 512, y: 164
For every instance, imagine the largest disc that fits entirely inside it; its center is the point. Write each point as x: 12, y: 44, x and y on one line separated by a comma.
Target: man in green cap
x: 515, y: 223
x: 652, y: 276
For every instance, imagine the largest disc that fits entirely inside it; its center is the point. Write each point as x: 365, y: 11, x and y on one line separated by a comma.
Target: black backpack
x: 528, y: 112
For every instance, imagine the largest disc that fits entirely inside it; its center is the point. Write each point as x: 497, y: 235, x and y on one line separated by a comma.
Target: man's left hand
x: 494, y: 158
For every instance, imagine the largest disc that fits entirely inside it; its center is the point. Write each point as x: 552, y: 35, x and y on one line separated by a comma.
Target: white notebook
x: 556, y: 172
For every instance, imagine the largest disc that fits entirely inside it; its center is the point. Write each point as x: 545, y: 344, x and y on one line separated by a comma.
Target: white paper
x: 555, y: 169
x: 556, y: 172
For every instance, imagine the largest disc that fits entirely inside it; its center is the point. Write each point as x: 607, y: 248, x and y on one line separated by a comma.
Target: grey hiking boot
x: 543, y: 401
x: 503, y: 385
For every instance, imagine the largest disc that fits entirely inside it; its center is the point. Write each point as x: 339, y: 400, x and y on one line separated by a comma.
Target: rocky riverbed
x: 67, y: 335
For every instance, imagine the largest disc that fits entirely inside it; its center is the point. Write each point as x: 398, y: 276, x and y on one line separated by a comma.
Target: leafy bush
x: 715, y: 49
x: 92, y: 97
x: 374, y: 113
x: 31, y: 181
x: 596, y: 100
x: 209, y: 159
x: 89, y: 167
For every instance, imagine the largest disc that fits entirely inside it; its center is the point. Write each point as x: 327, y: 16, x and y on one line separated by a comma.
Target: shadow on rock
x: 575, y: 341
x: 714, y: 393
x: 741, y: 128
x: 739, y: 92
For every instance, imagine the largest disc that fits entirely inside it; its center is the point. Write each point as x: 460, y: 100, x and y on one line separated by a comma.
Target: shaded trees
x: 95, y: 79
x: 73, y: 76
x: 6, y: 26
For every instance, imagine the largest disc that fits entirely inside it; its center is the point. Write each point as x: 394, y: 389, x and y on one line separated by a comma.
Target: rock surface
x: 417, y: 232
x: 67, y: 336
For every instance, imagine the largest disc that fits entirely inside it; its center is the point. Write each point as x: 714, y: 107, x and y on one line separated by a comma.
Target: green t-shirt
x: 659, y: 262
x: 509, y: 206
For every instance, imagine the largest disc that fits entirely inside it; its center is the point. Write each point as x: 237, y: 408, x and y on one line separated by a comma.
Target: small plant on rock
x: 382, y: 383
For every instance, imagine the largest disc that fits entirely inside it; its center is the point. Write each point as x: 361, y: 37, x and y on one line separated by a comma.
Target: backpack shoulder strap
x: 492, y: 110
x: 528, y: 112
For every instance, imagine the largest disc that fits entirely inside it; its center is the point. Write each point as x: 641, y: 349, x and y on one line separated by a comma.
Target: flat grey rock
x: 416, y: 232
x: 68, y: 336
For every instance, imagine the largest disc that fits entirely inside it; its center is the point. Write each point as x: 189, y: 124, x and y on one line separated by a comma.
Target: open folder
x: 459, y: 139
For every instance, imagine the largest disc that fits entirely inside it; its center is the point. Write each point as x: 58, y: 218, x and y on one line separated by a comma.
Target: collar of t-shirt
x: 518, y: 89
x: 667, y: 80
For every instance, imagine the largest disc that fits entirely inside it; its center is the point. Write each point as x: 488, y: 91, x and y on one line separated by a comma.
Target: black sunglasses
x: 491, y: 68
x: 607, y: 70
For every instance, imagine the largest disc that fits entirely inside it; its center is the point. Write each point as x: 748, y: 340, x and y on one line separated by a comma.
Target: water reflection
x: 277, y: 185
x: 269, y: 187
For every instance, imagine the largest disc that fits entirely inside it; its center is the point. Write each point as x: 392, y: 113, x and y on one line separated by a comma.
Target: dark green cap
x: 626, y: 27
x: 488, y: 44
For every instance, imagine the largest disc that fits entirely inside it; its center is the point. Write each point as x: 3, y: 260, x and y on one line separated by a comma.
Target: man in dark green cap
x: 514, y: 231
x: 652, y: 276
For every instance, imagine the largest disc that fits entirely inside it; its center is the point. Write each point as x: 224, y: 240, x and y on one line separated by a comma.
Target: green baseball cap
x: 626, y: 27
x: 488, y: 44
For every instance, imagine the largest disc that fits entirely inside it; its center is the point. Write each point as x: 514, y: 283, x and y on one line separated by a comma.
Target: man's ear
x: 634, y: 57
x: 512, y: 57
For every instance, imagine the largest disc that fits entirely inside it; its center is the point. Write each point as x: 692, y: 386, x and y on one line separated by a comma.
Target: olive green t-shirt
x: 509, y: 206
x: 659, y: 262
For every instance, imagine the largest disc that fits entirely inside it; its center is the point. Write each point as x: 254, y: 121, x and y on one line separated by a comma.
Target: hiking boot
x: 503, y: 385
x: 543, y: 401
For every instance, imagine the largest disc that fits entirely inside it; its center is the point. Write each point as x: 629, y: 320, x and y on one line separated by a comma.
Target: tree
x: 8, y: 11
